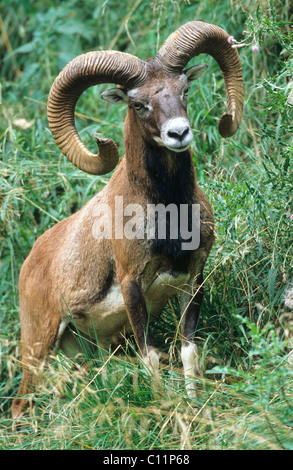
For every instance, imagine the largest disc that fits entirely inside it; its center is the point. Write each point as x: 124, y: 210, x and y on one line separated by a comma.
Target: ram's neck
x: 164, y: 176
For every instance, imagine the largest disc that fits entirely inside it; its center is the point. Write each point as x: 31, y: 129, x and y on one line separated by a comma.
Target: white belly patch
x: 167, y: 284
x: 108, y: 318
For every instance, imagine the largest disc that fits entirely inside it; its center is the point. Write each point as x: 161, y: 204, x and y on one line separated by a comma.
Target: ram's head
x: 155, y: 90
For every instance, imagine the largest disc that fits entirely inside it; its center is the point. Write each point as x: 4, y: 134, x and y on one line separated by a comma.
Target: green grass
x: 245, y: 386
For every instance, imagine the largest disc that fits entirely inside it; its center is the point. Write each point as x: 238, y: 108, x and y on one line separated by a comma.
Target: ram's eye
x: 186, y: 92
x: 137, y: 106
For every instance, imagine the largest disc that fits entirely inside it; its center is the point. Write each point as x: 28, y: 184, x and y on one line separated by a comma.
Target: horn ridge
x: 92, y: 68
x: 197, y: 37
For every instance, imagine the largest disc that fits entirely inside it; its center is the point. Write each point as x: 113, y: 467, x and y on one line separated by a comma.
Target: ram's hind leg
x: 190, y: 309
x: 38, y: 334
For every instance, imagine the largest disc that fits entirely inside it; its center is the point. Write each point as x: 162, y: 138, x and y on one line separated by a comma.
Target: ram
x: 109, y: 282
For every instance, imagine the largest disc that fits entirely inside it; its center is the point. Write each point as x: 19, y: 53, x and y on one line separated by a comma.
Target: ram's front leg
x: 138, y: 316
x: 190, y: 308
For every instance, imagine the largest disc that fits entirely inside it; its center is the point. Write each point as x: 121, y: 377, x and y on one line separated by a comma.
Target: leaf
x: 73, y: 27
x: 25, y: 49
x: 290, y: 98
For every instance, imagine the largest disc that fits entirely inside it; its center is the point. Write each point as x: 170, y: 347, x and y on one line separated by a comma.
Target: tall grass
x: 107, y: 402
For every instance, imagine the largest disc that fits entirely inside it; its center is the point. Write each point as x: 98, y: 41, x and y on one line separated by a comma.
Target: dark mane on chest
x: 170, y: 182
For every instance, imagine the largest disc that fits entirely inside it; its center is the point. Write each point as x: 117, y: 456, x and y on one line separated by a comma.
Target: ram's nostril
x: 185, y: 132
x: 173, y: 134
x: 178, y: 134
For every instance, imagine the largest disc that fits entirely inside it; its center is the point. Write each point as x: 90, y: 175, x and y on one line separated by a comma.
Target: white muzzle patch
x: 176, y: 134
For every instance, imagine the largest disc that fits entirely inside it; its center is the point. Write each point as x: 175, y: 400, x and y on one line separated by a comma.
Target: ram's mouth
x: 178, y: 149
x: 175, y: 148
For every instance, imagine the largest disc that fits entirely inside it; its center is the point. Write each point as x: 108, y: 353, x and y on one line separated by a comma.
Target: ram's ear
x: 194, y: 72
x: 115, y: 95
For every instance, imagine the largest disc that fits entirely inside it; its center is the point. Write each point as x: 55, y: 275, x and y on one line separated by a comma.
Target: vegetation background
x: 245, y: 388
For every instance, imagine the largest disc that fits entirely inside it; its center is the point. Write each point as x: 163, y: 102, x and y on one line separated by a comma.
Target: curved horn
x: 82, y: 72
x: 195, y: 38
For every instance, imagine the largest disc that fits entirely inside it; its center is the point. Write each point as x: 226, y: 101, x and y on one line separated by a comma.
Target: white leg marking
x: 189, y: 359
x: 151, y: 361
x: 62, y: 327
